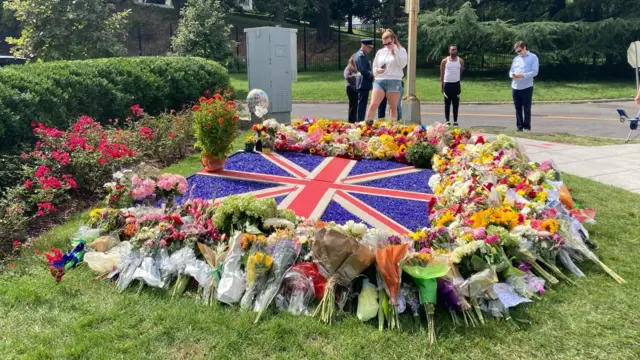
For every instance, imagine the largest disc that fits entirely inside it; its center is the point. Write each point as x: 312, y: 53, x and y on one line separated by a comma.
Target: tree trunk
x: 323, y: 35
x: 279, y: 14
x: 350, y: 23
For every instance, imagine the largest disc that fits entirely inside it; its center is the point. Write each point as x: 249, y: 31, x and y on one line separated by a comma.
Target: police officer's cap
x: 368, y: 42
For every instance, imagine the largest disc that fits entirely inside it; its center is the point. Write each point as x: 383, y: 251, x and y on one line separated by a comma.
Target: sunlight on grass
x: 330, y: 86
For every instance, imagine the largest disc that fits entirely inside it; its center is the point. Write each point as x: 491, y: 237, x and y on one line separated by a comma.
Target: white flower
x: 360, y: 229
x: 434, y: 181
x: 279, y: 224
x: 118, y: 175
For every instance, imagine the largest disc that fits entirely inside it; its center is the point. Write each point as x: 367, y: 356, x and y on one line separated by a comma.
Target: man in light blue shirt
x: 523, y: 69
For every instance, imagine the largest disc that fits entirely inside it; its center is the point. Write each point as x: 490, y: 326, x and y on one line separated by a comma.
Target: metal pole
x: 305, y: 45
x: 339, y: 48
x: 635, y: 45
x: 411, y: 107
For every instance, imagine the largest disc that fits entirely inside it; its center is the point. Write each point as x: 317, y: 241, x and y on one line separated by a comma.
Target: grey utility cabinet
x: 272, y: 64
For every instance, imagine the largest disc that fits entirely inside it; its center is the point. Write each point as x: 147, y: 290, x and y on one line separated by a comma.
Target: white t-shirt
x: 452, y: 70
x: 395, y: 63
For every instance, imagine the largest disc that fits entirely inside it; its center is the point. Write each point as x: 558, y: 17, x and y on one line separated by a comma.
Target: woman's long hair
x: 352, y: 63
x: 393, y: 35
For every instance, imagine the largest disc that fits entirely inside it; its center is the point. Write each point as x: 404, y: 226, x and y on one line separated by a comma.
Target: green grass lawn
x: 329, y: 86
x: 81, y: 318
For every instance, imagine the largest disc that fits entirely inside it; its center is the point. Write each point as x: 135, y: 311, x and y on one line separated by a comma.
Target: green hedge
x: 57, y: 93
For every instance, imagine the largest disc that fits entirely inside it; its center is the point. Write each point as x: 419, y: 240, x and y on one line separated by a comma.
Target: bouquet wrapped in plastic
x: 105, y: 262
x: 342, y: 258
x: 425, y: 271
x: 257, y: 267
x: 297, y: 291
x: 232, y: 282
x: 367, y: 302
x: 284, y: 256
x: 388, y: 263
x: 215, y: 257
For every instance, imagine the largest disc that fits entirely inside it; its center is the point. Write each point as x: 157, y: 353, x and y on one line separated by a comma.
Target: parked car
x: 10, y: 60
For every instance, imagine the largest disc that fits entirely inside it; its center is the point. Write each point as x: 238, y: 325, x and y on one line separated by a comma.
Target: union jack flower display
x: 383, y: 194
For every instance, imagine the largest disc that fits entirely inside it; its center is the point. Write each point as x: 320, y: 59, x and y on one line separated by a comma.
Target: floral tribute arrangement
x: 500, y: 235
x: 381, y: 140
x: 215, y: 124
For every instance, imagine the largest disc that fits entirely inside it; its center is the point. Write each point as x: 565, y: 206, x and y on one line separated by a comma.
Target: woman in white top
x: 450, y: 69
x: 387, y: 69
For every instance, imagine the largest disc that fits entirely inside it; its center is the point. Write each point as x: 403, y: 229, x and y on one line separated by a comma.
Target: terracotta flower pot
x: 212, y: 163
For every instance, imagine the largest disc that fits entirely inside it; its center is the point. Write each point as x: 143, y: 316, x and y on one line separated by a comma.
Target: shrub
x: 80, y: 159
x: 13, y: 221
x: 165, y: 138
x: 57, y: 93
x: 215, y: 124
x: 420, y: 154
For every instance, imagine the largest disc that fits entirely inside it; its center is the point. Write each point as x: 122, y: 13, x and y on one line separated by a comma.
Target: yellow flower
x: 515, y: 179
x: 521, y: 192
x: 480, y: 219
x: 328, y: 138
x: 268, y: 261
x: 313, y: 128
x: 439, y: 190
x: 550, y: 225
x: 96, y: 214
x: 441, y: 251
x: 445, y: 220
x: 259, y: 257
x: 312, y: 151
x: 467, y: 237
x: 417, y: 236
x: 402, y: 149
x: 296, y: 123
x: 426, y: 257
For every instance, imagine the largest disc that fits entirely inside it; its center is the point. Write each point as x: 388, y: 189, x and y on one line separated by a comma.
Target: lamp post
x: 411, y: 104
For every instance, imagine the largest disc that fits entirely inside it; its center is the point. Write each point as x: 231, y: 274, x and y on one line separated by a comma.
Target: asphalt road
x: 592, y: 119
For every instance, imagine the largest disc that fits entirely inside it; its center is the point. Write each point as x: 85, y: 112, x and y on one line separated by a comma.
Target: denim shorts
x: 388, y: 85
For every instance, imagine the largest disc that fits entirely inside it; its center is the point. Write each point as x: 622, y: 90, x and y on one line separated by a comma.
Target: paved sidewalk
x: 617, y: 165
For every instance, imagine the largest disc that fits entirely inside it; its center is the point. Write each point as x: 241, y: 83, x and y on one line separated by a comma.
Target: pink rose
x: 479, y: 233
x: 492, y: 239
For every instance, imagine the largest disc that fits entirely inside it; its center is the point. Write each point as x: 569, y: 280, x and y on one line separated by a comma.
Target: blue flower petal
x: 335, y: 212
x: 417, y: 181
x: 306, y: 161
x: 366, y: 166
x: 412, y: 214
x: 255, y: 163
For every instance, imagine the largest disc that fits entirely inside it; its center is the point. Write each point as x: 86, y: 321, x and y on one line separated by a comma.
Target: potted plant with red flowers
x: 215, y: 125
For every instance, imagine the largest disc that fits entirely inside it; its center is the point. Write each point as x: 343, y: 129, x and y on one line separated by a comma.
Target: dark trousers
x: 452, y: 93
x: 363, y: 98
x: 522, y: 101
x: 382, y: 108
x: 352, y: 94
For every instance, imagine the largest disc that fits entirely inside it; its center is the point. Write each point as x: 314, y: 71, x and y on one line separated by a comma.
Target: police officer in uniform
x: 364, y: 79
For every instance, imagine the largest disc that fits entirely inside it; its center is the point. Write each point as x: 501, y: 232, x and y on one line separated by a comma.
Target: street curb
x: 595, y: 101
